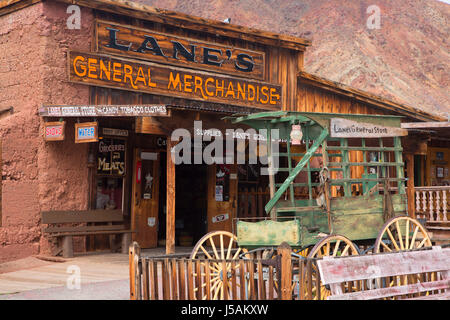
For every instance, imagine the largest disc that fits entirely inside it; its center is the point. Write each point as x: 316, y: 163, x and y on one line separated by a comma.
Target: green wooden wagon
x: 354, y: 201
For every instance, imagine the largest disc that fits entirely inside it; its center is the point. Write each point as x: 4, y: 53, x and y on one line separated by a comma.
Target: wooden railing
x: 253, y: 278
x: 283, y: 277
x: 432, y: 203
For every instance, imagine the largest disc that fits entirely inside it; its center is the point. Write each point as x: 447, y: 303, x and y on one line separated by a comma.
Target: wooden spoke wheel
x: 222, y: 245
x: 330, y: 246
x: 399, y: 234
x: 402, y: 233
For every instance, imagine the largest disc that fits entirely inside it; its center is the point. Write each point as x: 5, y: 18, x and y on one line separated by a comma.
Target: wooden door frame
x: 133, y: 221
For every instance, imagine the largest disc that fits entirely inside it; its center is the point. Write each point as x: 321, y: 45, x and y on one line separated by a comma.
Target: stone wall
x: 38, y: 175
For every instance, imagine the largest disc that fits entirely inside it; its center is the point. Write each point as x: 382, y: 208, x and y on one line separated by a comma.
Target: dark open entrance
x: 191, y: 203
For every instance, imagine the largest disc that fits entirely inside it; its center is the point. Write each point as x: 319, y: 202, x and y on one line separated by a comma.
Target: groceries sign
x: 142, y: 60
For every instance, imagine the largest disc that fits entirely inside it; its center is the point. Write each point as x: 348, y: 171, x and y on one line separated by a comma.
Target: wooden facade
x: 199, y: 69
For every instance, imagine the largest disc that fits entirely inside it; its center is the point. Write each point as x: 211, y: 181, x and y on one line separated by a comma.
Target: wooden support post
x: 133, y: 257
x: 273, y: 214
x: 67, y: 245
x: 284, y: 251
x: 170, y: 215
x: 126, y: 241
x: 409, y: 158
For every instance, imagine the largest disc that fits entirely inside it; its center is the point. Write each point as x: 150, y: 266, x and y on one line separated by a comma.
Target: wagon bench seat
x: 108, y: 222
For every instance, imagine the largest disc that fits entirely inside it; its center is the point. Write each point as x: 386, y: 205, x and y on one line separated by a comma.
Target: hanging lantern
x: 296, y: 134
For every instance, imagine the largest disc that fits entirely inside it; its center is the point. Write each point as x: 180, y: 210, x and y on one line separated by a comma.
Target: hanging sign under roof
x: 103, y: 111
x: 54, y: 131
x: 86, y: 132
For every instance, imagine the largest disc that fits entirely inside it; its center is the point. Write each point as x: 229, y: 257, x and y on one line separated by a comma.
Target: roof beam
x: 425, y: 125
x: 145, y: 12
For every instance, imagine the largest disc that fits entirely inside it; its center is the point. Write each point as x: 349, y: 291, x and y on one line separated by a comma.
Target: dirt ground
x: 96, y: 276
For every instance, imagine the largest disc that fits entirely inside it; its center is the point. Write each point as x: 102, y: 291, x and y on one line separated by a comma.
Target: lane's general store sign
x: 179, y: 51
x: 344, y: 128
x: 103, y: 111
x: 111, y: 72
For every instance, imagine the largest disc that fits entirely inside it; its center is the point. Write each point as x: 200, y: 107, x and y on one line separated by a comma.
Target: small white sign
x: 344, y: 128
x: 233, y: 176
x: 151, y: 221
x: 149, y: 156
x: 219, y: 193
x: 220, y: 218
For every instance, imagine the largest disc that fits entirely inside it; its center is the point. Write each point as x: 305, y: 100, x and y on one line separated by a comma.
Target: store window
x: 110, y: 173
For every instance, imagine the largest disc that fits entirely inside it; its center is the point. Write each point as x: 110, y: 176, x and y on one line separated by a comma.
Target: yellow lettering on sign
x: 220, y: 88
x: 128, y: 74
x: 230, y: 90
x: 150, y: 83
x: 209, y: 93
x: 252, y: 97
x: 82, y: 67
x: 140, y: 77
x: 241, y: 91
x: 273, y: 94
x: 198, y: 81
x: 174, y: 82
x: 92, y: 68
x: 265, y: 93
x: 104, y: 70
x: 117, y: 72
x: 187, y: 83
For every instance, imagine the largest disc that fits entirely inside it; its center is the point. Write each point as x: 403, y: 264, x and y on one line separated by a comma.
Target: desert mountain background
x: 406, y: 60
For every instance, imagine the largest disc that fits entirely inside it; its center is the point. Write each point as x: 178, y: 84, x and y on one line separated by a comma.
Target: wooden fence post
x: 133, y: 259
x: 284, y: 251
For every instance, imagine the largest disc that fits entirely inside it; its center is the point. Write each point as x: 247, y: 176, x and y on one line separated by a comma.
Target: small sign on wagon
x: 344, y: 128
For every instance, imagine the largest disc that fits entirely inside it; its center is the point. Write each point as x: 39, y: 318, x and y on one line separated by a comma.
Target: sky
x: 446, y: 1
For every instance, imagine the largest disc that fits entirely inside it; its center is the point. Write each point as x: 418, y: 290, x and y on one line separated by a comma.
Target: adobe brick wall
x: 38, y: 175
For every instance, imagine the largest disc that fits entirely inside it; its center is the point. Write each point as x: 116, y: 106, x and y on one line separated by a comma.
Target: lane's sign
x: 103, y: 111
x: 344, y: 128
x: 119, y: 73
x: 179, y: 51
x: 86, y: 132
x: 54, y: 131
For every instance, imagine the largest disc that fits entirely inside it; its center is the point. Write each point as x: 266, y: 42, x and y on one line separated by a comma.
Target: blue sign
x: 86, y: 132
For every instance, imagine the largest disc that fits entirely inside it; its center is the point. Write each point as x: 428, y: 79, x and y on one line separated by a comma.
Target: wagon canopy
x: 337, y: 125
x: 317, y: 129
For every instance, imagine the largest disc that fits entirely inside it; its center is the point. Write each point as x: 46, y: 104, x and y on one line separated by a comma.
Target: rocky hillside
x: 406, y: 59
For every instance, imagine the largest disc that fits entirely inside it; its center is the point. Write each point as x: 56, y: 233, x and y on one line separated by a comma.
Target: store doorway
x: 190, y: 203
x: 145, y: 197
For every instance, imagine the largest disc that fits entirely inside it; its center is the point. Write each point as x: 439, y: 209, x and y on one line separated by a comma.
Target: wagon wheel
x: 332, y: 246
x: 402, y: 233
x: 222, y: 243
x: 399, y: 234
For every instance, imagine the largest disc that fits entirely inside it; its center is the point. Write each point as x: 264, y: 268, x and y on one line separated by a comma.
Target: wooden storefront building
x: 112, y: 92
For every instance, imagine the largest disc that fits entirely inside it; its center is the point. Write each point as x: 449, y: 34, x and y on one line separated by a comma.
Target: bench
x: 367, y: 268
x: 66, y: 225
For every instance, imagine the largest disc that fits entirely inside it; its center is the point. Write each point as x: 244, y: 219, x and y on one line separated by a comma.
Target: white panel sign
x: 344, y: 128
x: 220, y: 218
